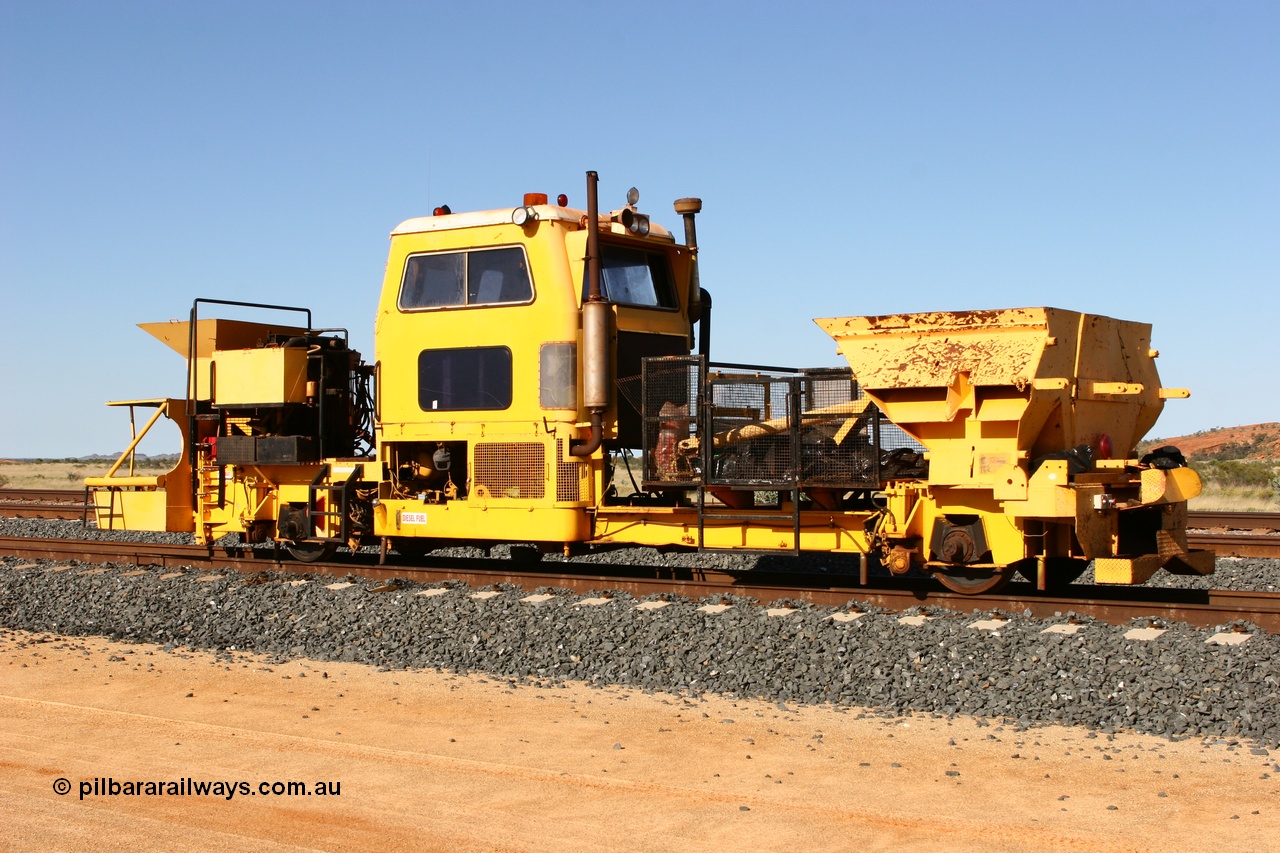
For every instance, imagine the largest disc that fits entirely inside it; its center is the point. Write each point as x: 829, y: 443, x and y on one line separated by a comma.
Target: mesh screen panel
x: 568, y: 476
x: 901, y: 456
x: 767, y: 429
x: 837, y: 427
x: 669, y: 392
x: 511, y: 470
x: 750, y: 419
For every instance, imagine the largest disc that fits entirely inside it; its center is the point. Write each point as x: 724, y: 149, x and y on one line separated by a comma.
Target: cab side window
x: 472, y: 378
x: 460, y: 279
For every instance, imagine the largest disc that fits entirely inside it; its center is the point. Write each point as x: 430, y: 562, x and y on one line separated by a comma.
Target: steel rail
x: 1234, y: 520
x: 1202, y: 608
x: 69, y: 504
x: 50, y: 495
x: 1266, y: 545
x: 42, y: 503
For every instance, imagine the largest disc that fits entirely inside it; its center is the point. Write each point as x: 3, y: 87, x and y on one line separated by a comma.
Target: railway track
x: 1256, y: 534
x: 1116, y: 605
x: 42, y: 503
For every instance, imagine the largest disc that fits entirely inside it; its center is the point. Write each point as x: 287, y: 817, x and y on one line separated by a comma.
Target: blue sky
x: 853, y: 158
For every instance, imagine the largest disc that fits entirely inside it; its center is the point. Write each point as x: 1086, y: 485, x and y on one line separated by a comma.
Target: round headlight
x: 521, y: 215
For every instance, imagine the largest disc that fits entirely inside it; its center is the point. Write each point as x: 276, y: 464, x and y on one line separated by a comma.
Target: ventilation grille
x: 511, y: 470
x: 568, y: 477
x: 239, y: 426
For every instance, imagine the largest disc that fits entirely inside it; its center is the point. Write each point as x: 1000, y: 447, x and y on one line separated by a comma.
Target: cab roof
x: 502, y: 216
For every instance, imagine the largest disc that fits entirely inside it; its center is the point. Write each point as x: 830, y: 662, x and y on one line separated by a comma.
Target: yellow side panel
x: 480, y: 520
x: 127, y: 510
x: 819, y: 531
x: 1049, y: 494
x: 271, y: 375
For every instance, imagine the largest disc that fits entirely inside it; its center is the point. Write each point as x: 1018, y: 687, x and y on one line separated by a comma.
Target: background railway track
x: 42, y: 503
x: 1117, y: 605
x: 1230, y: 534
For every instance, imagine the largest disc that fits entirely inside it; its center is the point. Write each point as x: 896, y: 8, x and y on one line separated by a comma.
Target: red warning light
x: 442, y: 210
x: 530, y: 199
x: 562, y: 200
x: 1104, y: 446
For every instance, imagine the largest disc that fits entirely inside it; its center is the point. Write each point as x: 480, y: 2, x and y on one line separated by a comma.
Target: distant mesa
x: 91, y: 458
x: 1255, y: 442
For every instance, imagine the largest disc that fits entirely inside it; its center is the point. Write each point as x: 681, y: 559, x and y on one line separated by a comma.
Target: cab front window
x: 634, y: 277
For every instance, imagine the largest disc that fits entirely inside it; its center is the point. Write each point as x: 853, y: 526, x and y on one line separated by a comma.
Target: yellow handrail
x: 160, y: 410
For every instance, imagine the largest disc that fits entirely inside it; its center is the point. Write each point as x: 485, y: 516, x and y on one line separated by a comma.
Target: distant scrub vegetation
x: 1239, y: 473
x: 1243, y: 467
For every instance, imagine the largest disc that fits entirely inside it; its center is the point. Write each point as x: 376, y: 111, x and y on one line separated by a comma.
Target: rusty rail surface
x: 42, y: 503
x: 69, y: 504
x: 1235, y: 520
x: 1117, y: 605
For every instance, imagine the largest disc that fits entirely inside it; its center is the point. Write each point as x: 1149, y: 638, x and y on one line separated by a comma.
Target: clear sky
x: 853, y: 158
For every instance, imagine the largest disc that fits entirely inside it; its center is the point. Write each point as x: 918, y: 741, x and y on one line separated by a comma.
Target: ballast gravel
x: 1232, y: 573
x: 1012, y: 667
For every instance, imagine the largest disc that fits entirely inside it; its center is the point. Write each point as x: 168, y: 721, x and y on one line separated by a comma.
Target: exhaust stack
x: 595, y: 329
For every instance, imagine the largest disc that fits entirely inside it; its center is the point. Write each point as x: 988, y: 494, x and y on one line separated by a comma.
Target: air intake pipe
x: 595, y: 329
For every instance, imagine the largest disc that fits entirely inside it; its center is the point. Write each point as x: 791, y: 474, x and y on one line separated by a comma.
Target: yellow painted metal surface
x: 1169, y: 486
x: 1020, y: 382
x: 678, y: 526
x: 261, y: 376
x: 145, y: 501
x: 213, y: 335
x: 1135, y: 570
x: 1126, y: 570
x: 148, y: 481
x: 502, y: 444
x: 996, y: 397
x: 135, y: 510
x: 491, y: 519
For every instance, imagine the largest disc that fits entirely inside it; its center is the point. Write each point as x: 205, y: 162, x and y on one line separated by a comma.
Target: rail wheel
x: 968, y: 580
x: 1060, y: 572
x: 311, y: 552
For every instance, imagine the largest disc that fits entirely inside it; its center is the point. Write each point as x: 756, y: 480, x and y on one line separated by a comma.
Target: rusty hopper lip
x: 1029, y: 381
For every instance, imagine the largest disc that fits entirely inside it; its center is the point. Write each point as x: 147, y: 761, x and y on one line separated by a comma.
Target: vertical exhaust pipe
x: 699, y: 299
x: 689, y: 208
x: 595, y: 330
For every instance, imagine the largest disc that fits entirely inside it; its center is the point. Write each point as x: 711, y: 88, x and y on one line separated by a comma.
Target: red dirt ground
x: 1202, y: 444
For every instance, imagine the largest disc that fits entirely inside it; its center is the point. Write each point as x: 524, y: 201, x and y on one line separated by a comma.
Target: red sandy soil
x: 436, y: 761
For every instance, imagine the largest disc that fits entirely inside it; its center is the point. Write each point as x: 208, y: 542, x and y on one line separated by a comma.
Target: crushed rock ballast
x: 1180, y: 682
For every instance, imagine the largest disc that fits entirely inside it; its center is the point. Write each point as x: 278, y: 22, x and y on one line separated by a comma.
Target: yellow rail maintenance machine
x: 535, y: 381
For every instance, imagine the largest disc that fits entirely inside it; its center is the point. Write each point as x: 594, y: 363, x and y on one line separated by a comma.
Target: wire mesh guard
x: 814, y: 428
x: 669, y: 406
